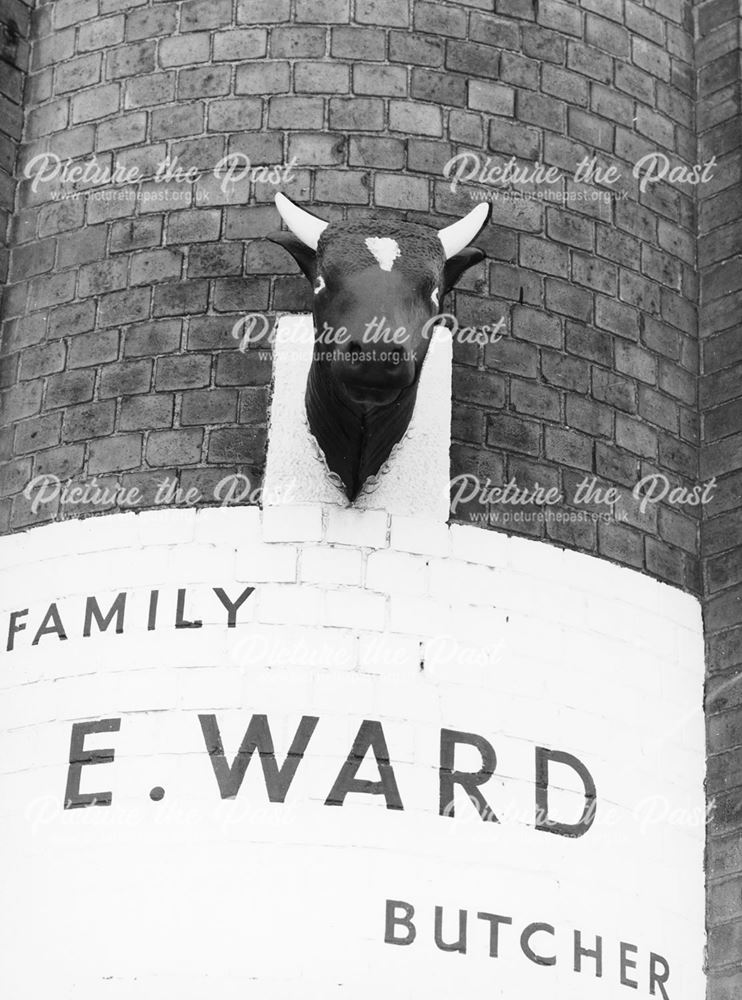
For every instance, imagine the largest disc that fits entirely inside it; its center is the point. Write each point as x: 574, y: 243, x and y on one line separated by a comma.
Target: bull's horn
x: 305, y: 226
x: 459, y: 235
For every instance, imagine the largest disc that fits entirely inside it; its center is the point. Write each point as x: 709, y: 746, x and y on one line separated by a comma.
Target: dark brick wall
x: 117, y: 351
x: 719, y: 58
x: 15, y: 18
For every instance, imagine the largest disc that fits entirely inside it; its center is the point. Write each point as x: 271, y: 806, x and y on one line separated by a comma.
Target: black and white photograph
x: 371, y: 499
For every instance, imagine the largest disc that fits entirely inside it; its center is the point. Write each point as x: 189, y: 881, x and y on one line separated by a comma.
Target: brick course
x: 720, y: 401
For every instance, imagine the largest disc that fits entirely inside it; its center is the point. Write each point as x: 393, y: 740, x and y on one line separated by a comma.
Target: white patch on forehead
x: 385, y: 250
x: 320, y: 285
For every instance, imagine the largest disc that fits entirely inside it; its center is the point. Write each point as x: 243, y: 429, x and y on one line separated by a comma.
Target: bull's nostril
x: 389, y: 357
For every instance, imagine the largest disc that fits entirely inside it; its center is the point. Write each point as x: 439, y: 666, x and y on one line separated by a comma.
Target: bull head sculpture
x: 377, y: 288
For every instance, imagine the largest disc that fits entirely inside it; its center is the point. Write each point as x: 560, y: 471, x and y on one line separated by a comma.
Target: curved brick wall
x: 118, y: 357
x: 15, y: 19
x: 405, y: 627
x: 720, y: 271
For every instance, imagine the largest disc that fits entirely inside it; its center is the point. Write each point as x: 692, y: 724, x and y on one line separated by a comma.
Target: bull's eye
x: 434, y: 298
x: 319, y: 285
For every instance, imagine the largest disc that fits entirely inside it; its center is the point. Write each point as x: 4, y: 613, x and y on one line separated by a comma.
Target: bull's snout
x: 374, y: 373
x: 392, y: 357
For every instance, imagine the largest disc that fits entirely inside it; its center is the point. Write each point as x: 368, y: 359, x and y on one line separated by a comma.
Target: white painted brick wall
x: 350, y: 606
x: 396, y: 572
x: 263, y: 563
x: 355, y: 615
x: 414, y: 534
x: 332, y: 565
x: 292, y: 524
x: 363, y: 528
x: 290, y: 605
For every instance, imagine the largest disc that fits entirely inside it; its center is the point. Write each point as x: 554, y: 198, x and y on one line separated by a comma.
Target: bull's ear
x: 304, y: 256
x: 460, y: 263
